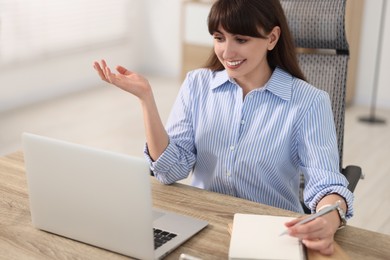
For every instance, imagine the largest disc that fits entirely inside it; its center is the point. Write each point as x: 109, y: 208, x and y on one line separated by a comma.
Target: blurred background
x: 48, y: 85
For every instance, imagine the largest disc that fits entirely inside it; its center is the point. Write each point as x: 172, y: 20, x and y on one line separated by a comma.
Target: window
x: 37, y: 28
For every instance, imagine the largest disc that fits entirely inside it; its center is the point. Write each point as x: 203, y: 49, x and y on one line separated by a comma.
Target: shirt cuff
x: 339, y: 190
x: 164, y: 162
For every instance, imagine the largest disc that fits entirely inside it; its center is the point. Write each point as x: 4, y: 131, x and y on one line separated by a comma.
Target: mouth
x: 234, y: 64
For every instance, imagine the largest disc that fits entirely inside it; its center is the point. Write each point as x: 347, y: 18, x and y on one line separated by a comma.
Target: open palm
x: 124, y: 79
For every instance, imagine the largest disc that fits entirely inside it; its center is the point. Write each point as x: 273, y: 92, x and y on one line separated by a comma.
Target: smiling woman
x: 247, y: 125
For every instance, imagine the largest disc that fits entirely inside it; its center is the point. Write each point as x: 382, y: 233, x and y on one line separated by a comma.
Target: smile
x: 234, y: 63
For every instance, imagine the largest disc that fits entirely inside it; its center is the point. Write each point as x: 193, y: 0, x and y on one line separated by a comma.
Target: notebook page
x: 258, y: 237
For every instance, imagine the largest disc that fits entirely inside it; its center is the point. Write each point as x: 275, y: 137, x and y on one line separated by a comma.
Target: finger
x: 329, y: 250
x: 104, y: 69
x: 110, y: 76
x: 99, y: 70
x: 325, y: 247
x: 113, y: 78
x: 294, y: 221
x: 312, y: 230
x: 96, y: 66
x: 309, y: 227
x: 123, y: 70
x: 311, y: 235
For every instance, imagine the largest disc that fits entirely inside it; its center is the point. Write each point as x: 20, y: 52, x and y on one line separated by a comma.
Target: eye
x: 241, y: 40
x: 218, y: 38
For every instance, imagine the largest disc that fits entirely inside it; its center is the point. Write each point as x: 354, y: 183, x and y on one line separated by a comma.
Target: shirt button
x: 243, y: 122
x: 232, y: 148
x: 228, y: 174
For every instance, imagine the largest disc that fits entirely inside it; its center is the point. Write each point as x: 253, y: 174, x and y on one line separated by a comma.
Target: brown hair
x: 246, y: 17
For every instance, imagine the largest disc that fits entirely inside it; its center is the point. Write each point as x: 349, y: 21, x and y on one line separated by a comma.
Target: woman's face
x: 244, y: 57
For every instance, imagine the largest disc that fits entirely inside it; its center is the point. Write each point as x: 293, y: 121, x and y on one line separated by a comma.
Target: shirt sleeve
x: 319, y: 155
x: 178, y: 159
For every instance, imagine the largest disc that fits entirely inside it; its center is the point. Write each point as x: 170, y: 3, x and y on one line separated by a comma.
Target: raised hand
x: 124, y: 79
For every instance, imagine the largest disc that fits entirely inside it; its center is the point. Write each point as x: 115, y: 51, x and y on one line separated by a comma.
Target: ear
x: 273, y: 37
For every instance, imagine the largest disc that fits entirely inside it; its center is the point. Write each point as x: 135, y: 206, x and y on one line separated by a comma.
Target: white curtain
x: 37, y: 28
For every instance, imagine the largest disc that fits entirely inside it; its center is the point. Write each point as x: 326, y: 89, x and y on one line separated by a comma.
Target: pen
x: 188, y: 257
x: 316, y: 215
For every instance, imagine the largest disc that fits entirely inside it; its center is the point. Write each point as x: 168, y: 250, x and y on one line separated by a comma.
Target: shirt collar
x: 280, y: 83
x: 220, y: 77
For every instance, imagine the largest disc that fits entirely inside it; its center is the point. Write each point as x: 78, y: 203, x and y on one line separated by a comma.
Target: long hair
x: 255, y: 18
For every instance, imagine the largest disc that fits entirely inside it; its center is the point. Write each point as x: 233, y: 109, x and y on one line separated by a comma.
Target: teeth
x: 233, y: 63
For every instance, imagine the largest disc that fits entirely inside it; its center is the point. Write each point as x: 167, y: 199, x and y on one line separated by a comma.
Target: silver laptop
x: 101, y: 198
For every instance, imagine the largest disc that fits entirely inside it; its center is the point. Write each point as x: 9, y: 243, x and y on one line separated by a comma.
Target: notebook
x: 258, y: 237
x: 100, y: 198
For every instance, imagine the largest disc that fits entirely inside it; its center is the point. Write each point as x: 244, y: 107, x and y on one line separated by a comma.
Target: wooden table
x: 19, y: 240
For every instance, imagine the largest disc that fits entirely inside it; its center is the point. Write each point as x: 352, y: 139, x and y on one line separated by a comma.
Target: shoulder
x: 200, y: 75
x: 298, y: 91
x: 311, y: 101
x: 306, y: 89
x: 308, y: 93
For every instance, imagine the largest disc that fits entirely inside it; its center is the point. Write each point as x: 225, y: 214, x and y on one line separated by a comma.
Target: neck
x: 249, y: 84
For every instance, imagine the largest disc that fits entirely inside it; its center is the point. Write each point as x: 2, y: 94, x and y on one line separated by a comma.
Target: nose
x: 229, y: 50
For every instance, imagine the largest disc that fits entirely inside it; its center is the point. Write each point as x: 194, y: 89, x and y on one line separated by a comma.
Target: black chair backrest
x: 318, y: 29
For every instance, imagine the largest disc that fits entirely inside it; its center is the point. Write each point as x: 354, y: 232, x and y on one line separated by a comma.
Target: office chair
x: 318, y: 29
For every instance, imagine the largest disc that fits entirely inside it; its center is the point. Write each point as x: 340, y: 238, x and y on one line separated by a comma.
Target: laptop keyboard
x: 161, y: 237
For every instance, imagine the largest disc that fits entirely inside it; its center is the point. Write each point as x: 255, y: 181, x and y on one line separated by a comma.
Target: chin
x: 233, y: 74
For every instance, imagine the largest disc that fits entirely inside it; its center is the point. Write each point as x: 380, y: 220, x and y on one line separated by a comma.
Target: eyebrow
x: 217, y: 31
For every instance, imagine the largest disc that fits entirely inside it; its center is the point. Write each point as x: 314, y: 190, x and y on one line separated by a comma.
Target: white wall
x: 368, y: 49
x: 161, y: 34
x: 34, y: 81
x: 154, y: 48
x: 31, y: 81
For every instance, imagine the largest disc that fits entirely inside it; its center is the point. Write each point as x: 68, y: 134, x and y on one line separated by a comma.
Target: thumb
x: 123, y: 70
x: 294, y: 221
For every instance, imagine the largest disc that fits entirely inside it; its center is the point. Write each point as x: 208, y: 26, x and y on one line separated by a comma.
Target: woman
x: 248, y: 124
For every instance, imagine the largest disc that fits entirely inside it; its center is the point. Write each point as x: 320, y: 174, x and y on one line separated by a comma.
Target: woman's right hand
x: 124, y: 79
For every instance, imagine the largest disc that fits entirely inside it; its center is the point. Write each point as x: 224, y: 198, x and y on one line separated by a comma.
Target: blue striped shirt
x: 254, y: 147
